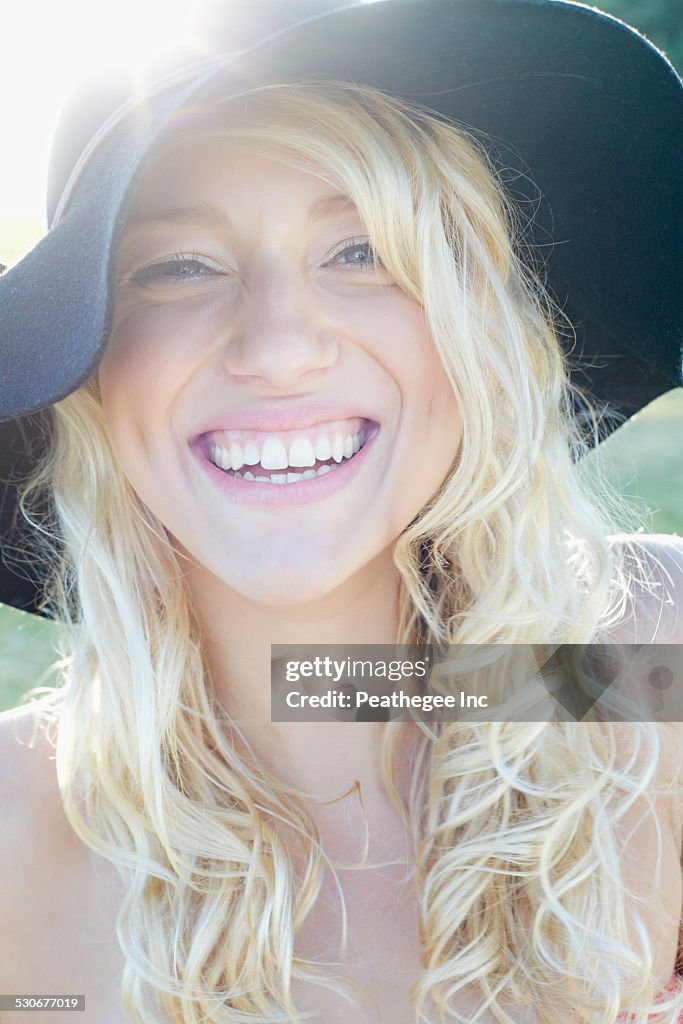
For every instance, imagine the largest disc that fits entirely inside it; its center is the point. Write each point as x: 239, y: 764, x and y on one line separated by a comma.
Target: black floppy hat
x: 581, y: 114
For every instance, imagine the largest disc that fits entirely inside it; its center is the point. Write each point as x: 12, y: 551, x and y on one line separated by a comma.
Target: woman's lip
x: 244, y: 435
x: 253, y: 493
x: 265, y: 418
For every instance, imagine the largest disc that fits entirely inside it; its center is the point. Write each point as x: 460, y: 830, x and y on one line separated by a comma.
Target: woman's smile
x: 271, y: 364
x: 248, y: 459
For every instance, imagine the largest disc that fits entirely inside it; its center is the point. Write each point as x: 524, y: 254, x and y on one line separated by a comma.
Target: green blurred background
x: 643, y: 460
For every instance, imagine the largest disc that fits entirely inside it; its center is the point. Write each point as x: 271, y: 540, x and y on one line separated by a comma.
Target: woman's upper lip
x: 270, y: 416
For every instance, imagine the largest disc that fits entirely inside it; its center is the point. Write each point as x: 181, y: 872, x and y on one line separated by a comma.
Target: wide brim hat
x: 580, y: 115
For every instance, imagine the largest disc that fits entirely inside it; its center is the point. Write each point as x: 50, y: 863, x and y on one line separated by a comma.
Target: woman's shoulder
x: 653, y: 567
x: 653, y: 564
x: 58, y: 901
x: 28, y: 779
x: 35, y: 836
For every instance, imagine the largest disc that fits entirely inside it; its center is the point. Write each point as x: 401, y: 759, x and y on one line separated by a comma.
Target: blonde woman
x: 270, y: 255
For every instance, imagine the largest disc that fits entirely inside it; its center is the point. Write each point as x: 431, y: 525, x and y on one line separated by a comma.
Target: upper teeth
x: 231, y: 450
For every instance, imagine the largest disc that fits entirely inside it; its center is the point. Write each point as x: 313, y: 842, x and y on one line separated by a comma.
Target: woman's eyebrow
x: 213, y: 215
x: 204, y: 213
x: 331, y: 206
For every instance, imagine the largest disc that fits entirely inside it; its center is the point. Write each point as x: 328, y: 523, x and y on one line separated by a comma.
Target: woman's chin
x: 299, y: 572
x: 285, y: 583
x: 292, y: 585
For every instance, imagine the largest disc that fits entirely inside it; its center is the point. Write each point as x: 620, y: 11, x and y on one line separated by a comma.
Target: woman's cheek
x: 147, y: 336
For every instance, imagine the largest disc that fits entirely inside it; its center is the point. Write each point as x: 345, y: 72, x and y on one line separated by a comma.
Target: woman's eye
x: 179, y: 267
x: 356, y: 254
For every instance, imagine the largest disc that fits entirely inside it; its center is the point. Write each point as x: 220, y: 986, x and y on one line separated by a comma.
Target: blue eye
x: 357, y: 253
x: 179, y: 267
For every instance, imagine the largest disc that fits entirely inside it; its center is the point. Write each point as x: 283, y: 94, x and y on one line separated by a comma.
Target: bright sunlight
x: 46, y: 48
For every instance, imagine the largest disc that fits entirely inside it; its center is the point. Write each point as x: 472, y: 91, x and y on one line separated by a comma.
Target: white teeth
x: 323, y: 449
x: 251, y: 454
x: 302, y: 453
x: 224, y: 456
x: 273, y: 454
x: 285, y: 478
x: 236, y: 456
x: 338, y: 448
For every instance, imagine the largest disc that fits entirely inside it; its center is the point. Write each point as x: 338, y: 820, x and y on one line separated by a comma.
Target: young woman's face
x: 255, y: 347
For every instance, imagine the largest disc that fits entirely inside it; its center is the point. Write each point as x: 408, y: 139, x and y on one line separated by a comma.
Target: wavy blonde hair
x: 515, y: 824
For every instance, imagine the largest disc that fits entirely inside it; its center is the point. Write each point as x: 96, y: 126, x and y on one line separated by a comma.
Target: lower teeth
x: 286, y: 478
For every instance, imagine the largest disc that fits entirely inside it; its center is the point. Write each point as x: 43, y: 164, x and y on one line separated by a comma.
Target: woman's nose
x: 282, y: 333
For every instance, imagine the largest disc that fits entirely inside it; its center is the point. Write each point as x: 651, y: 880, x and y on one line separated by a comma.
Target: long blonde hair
x: 517, y: 864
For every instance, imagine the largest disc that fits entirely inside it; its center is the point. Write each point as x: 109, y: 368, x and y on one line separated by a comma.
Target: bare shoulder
x: 59, y: 901
x: 28, y: 779
x: 34, y: 833
x: 653, y: 614
x: 654, y: 566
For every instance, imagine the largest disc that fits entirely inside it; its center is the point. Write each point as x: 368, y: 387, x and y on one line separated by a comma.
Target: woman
x: 315, y: 277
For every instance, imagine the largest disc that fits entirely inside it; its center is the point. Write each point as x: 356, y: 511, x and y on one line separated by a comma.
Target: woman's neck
x: 323, y: 759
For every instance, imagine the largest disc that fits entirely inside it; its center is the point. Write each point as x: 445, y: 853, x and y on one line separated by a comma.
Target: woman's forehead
x: 190, y: 178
